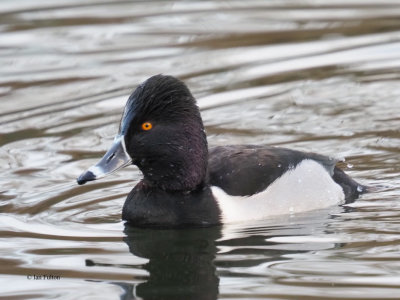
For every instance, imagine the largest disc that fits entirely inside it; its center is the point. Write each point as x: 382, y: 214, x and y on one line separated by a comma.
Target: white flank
x: 307, y: 187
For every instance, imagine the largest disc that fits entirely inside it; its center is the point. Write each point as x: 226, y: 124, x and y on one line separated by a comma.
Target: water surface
x: 320, y: 76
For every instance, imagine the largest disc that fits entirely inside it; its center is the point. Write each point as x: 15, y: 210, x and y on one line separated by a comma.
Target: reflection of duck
x: 184, y: 184
x: 181, y: 262
x: 204, y: 263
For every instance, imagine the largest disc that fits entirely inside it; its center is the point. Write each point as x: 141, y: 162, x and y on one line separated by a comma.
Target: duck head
x: 161, y: 132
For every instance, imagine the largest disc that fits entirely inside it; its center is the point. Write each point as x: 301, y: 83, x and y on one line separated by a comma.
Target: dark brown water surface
x: 314, y: 75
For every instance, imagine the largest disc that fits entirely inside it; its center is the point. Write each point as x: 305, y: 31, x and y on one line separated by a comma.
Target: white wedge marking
x: 307, y: 187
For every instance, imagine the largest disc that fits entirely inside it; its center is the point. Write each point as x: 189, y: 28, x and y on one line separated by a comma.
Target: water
x: 315, y: 75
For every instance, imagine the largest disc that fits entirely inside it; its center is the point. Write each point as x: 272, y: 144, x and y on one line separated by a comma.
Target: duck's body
x: 245, y: 182
x: 187, y: 184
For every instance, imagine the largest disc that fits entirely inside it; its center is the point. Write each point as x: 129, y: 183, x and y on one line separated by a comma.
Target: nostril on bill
x: 110, y: 157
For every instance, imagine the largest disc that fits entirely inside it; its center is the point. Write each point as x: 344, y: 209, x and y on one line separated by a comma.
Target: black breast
x: 148, y: 206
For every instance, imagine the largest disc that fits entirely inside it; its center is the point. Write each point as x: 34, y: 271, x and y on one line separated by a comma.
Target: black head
x: 164, y: 134
x: 161, y: 132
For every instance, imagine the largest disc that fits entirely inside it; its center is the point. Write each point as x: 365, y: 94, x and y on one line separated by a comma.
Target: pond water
x: 312, y: 75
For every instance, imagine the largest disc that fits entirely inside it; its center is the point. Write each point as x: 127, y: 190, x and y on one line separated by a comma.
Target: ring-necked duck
x: 186, y: 184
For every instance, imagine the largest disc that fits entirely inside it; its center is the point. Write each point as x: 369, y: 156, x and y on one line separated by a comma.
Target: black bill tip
x: 85, y: 177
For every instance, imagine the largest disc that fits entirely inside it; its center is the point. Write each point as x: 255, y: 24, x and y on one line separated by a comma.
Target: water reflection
x: 181, y: 262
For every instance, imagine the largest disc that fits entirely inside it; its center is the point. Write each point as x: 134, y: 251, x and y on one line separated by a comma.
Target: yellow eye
x: 147, y: 126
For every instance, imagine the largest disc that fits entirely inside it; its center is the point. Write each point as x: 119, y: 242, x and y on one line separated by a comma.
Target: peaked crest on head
x: 160, y: 95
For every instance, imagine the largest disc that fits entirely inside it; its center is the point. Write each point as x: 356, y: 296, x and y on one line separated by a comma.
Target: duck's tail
x: 351, y: 188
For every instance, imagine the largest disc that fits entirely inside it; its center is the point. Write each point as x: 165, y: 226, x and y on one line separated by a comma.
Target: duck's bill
x: 116, y: 158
